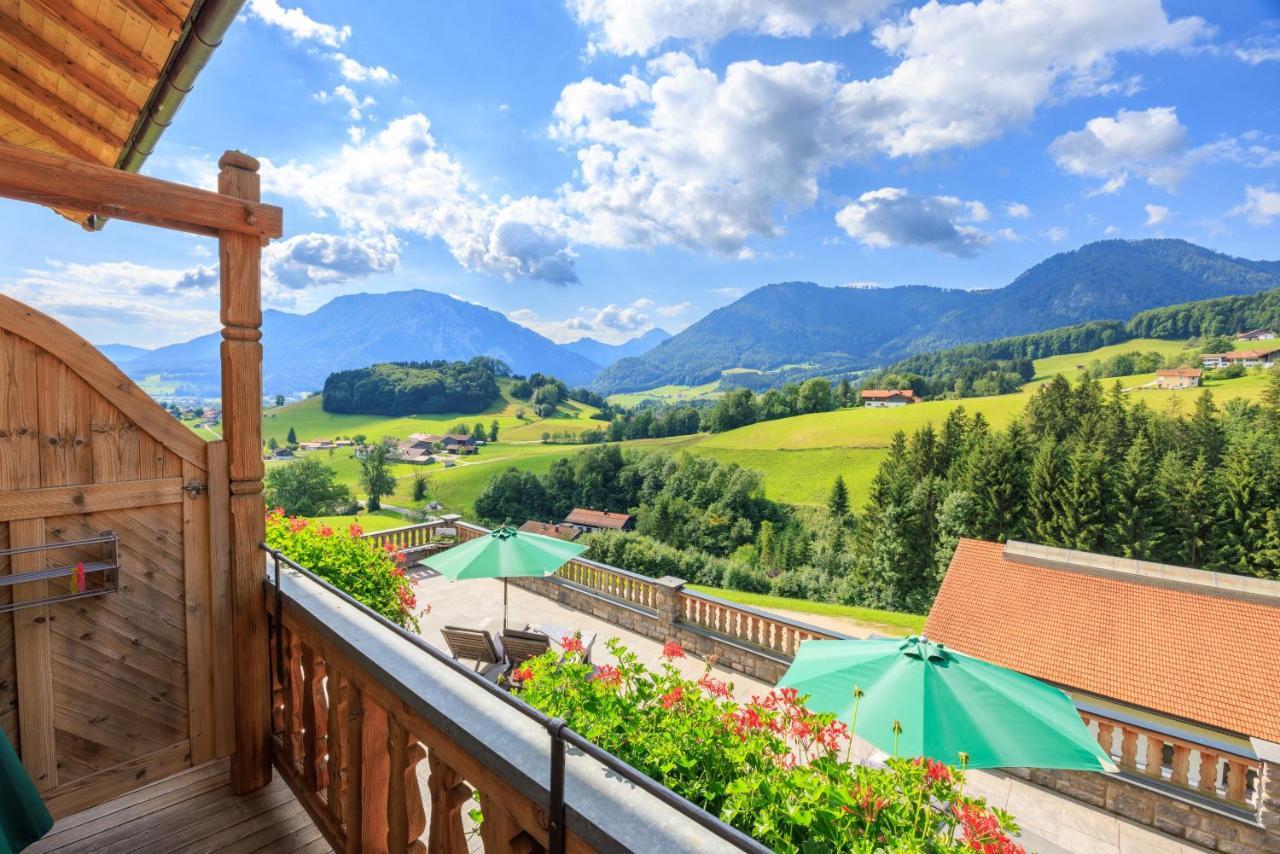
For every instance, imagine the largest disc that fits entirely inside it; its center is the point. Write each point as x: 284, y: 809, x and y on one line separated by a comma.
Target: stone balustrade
x: 1206, y: 771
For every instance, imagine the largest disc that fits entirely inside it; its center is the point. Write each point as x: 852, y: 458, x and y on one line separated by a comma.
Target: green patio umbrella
x: 946, y: 703
x: 504, y: 553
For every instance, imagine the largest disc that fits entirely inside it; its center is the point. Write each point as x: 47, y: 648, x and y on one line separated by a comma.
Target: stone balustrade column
x: 1269, y: 789
x: 667, y: 602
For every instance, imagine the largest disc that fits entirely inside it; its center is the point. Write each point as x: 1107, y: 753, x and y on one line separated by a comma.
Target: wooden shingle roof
x: 1184, y: 649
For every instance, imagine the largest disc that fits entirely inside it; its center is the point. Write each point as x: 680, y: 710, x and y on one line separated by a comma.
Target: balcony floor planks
x: 191, y: 811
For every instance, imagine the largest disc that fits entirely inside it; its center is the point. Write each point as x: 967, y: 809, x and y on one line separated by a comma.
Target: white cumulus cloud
x: 1149, y: 144
x: 1156, y: 215
x: 1261, y: 205
x: 1017, y: 210
x: 892, y: 216
x: 627, y: 27
x: 611, y: 324
x: 298, y: 24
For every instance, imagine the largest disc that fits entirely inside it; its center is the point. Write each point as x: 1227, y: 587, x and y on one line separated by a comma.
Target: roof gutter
x: 203, y: 33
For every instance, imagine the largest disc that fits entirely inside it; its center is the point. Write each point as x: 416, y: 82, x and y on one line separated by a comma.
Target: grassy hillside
x: 799, y: 457
x: 311, y: 422
x: 669, y: 394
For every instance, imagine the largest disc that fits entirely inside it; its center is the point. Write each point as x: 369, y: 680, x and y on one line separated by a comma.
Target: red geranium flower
x: 714, y: 687
x: 672, y: 650
x: 571, y: 645
x: 325, y: 531
x: 934, y: 771
x: 355, y: 530
x: 672, y: 697
x: 607, y: 675
x: 522, y: 674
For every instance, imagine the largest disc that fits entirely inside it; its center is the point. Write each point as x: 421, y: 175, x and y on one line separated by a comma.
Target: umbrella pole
x: 504, y: 604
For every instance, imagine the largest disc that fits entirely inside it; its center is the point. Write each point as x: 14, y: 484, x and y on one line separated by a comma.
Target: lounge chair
x: 476, y: 645
x: 522, y: 646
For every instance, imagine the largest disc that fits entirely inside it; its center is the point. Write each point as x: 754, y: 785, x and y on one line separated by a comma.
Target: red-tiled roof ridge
x: 1179, y: 372
x: 887, y: 392
x: 597, y: 518
x: 1176, y: 641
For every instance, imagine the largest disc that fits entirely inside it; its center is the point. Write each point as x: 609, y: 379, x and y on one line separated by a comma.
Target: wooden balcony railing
x: 359, y: 704
x: 1204, y: 770
x: 747, y: 625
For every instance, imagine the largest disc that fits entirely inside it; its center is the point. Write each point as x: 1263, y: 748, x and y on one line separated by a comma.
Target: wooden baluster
x: 1106, y: 735
x: 1208, y: 771
x: 1155, y: 757
x: 448, y: 796
x: 1181, y: 764
x: 375, y: 771
x: 1129, y: 749
x: 1237, y: 777
x: 406, y: 817
x: 500, y: 831
x: 353, y: 770
x: 333, y: 742
x: 293, y: 702
x: 310, y: 752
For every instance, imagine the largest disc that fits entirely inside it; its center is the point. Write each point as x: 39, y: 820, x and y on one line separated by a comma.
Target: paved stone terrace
x: 1051, y: 823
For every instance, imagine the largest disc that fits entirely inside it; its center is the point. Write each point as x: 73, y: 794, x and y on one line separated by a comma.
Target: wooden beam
x: 42, y: 53
x: 88, y: 498
x: 54, y: 103
x: 241, y: 310
x: 85, y: 29
x: 155, y: 12
x: 48, y: 132
x: 59, y: 182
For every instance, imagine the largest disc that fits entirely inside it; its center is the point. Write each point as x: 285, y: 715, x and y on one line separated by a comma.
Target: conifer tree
x: 1188, y: 500
x: 1138, y: 527
x: 1084, y: 499
x: 838, y: 502
x: 1242, y: 503
x: 1045, y: 494
x: 291, y: 437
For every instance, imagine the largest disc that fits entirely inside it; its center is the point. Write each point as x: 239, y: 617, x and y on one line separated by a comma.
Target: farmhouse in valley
x: 549, y: 529
x: 587, y: 520
x: 1262, y: 357
x: 412, y: 450
x: 881, y: 398
x: 1256, y: 335
x: 458, y: 443
x: 1176, y: 378
x: 1152, y: 656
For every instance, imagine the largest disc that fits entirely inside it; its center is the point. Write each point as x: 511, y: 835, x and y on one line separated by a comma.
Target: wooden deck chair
x: 522, y: 646
x: 475, y: 645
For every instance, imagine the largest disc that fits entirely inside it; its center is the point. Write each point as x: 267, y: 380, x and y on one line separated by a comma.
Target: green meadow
x: 799, y: 456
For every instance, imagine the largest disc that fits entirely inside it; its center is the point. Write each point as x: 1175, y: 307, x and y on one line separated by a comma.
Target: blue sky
x: 599, y: 167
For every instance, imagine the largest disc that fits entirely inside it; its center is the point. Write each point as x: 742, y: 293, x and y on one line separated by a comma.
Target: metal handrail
x: 558, y: 730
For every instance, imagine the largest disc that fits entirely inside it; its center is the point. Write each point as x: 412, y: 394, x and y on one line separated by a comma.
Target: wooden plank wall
x: 107, y: 693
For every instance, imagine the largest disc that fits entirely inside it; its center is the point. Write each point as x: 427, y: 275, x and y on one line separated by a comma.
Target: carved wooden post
x: 240, y: 257
x: 448, y: 796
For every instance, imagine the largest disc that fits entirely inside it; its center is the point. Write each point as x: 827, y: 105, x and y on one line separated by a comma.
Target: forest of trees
x: 414, y: 388
x: 1223, y: 316
x: 1084, y: 468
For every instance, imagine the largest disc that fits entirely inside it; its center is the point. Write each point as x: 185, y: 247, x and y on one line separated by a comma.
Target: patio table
x: 557, y: 632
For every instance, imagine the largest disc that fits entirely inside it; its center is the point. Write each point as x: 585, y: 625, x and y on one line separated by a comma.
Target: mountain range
x: 605, y: 355
x: 358, y: 330
x: 837, y: 329
x: 778, y: 326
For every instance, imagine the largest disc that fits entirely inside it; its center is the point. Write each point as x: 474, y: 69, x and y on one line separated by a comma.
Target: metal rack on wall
x: 83, y: 578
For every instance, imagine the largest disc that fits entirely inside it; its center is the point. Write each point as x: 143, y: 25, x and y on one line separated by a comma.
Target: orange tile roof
x: 882, y: 393
x: 1192, y: 653
x: 1179, y: 372
x: 597, y: 518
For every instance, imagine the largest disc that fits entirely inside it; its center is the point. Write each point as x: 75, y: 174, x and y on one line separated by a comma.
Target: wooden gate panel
x: 8, y: 672
x: 107, y: 693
